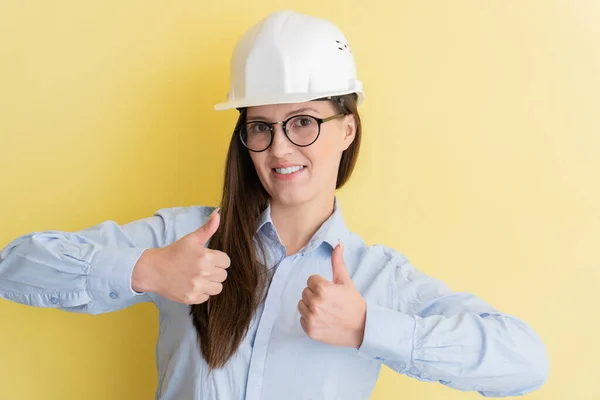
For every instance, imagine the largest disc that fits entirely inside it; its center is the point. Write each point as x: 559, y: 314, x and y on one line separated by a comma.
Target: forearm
x: 492, y: 353
x: 144, y: 277
x: 68, y: 271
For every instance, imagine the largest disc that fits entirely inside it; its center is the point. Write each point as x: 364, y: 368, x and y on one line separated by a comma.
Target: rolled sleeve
x: 434, y: 334
x: 88, y: 271
x: 389, y: 335
x: 109, y: 277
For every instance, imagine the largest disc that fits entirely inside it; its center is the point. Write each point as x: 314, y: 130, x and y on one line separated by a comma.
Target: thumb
x: 205, y: 232
x: 340, y: 273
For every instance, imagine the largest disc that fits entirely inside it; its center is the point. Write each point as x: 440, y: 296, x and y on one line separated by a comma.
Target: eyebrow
x: 294, y: 112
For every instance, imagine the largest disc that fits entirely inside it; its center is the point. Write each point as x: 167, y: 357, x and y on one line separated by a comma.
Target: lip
x: 287, y: 165
x: 287, y: 177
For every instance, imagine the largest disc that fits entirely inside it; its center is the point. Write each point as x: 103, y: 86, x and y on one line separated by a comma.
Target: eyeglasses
x: 301, y: 130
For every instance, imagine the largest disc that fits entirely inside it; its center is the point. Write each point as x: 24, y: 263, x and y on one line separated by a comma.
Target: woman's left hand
x: 333, y: 312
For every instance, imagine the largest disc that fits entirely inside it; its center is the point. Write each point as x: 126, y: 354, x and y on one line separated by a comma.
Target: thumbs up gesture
x: 185, y: 271
x: 333, y: 312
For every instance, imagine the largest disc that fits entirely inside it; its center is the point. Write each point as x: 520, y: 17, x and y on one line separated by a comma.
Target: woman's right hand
x: 184, y: 271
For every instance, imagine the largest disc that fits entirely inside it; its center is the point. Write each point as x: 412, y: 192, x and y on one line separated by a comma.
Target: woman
x: 273, y: 297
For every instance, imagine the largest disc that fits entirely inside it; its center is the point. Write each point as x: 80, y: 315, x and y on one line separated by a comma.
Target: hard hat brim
x: 287, y: 99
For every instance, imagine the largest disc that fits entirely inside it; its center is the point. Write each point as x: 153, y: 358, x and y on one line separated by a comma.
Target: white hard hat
x: 291, y: 58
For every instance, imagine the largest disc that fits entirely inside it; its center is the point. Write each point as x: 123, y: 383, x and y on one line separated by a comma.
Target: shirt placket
x: 264, y: 329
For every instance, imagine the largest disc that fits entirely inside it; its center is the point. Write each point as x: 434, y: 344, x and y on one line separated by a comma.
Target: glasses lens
x: 256, y: 135
x: 302, y: 130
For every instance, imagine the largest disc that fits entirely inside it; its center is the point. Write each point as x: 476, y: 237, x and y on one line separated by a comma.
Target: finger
x: 193, y: 298
x: 303, y: 309
x: 201, y: 299
x: 304, y: 324
x: 314, y: 281
x: 340, y: 272
x: 213, y: 288
x: 205, y: 232
x: 308, y: 297
x: 217, y: 275
x: 221, y: 259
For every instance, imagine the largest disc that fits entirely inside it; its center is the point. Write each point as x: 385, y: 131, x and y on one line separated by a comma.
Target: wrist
x: 142, y: 280
x: 389, y: 334
x: 360, y: 327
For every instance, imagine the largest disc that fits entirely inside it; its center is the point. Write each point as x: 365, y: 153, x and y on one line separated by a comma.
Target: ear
x: 349, y: 131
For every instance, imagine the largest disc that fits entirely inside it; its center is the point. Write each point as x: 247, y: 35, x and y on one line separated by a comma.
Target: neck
x: 296, y: 224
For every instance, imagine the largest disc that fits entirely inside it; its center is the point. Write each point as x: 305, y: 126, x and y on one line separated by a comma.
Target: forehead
x: 278, y: 112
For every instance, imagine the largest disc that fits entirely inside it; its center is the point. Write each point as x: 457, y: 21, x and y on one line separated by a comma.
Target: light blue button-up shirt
x: 414, y: 324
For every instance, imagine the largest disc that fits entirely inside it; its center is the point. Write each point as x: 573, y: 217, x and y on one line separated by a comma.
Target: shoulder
x: 181, y: 220
x: 379, y: 259
x: 185, y: 212
x: 387, y: 276
x: 375, y: 256
x: 375, y: 269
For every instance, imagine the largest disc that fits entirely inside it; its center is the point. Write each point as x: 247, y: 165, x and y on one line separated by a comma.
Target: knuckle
x: 315, y: 309
x: 195, y: 285
x: 309, y: 303
x: 203, y: 272
x: 322, y: 287
x: 188, y: 298
x: 302, y: 309
x: 207, y: 257
x: 203, y: 298
x: 304, y: 322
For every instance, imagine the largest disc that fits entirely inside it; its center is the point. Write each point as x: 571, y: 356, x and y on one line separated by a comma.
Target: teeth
x: 289, y: 170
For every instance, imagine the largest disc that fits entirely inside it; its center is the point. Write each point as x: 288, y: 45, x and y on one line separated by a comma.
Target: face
x: 295, y: 175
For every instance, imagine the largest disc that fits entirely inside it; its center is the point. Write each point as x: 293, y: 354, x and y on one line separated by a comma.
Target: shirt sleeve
x: 436, y: 335
x: 88, y: 271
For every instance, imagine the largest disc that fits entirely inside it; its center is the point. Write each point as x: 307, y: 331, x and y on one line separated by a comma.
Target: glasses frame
x: 283, y: 124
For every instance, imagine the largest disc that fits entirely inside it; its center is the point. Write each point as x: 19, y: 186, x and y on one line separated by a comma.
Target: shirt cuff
x: 388, y: 335
x: 109, y: 277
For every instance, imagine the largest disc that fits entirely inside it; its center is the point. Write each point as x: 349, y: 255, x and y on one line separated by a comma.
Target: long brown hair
x: 223, y: 320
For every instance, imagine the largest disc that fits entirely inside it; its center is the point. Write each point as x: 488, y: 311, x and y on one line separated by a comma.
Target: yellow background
x: 480, y: 161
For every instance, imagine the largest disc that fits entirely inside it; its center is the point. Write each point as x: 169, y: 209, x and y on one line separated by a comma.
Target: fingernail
x: 216, y: 210
x: 341, y: 243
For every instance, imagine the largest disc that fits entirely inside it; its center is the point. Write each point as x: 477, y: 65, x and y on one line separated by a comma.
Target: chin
x: 291, y: 198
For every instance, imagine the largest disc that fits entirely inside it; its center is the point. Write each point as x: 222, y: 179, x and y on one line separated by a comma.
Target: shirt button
x: 54, y: 300
x: 114, y: 295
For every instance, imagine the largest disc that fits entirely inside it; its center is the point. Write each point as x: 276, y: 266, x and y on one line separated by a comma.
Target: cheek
x: 327, y: 150
x: 323, y: 157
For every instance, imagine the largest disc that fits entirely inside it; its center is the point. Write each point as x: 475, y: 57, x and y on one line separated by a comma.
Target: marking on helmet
x: 343, y: 46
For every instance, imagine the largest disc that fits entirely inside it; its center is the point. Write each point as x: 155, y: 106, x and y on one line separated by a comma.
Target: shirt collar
x: 330, y: 232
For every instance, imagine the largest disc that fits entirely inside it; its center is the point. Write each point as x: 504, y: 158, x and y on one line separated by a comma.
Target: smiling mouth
x: 289, y: 170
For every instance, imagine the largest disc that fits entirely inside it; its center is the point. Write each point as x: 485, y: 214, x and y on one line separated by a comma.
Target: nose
x: 281, y: 145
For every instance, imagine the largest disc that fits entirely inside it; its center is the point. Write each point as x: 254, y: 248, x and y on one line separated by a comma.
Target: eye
x: 257, y: 127
x: 303, y: 122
